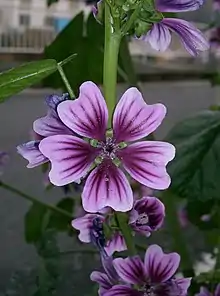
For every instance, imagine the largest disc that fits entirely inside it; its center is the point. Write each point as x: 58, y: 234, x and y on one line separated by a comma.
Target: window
x: 49, y: 21
x: 24, y: 20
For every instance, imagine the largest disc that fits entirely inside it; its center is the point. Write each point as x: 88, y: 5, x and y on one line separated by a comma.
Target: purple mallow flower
x: 72, y: 158
x: 159, y: 36
x: 205, y: 292
x: 44, y: 127
x: 154, y: 277
x: 147, y: 216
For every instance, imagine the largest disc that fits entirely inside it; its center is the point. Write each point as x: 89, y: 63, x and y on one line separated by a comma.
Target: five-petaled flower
x: 205, y: 292
x: 154, y: 277
x: 159, y: 36
x: 73, y: 158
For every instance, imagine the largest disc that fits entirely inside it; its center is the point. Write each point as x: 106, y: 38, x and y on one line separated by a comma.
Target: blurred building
x: 28, y: 25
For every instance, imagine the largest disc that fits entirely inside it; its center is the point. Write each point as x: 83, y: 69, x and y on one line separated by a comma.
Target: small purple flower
x: 154, y: 277
x: 147, y: 216
x: 205, y: 292
x: 159, y: 36
x: 44, y: 127
x: 4, y: 158
x: 88, y: 233
x: 105, y: 280
x: 107, y: 185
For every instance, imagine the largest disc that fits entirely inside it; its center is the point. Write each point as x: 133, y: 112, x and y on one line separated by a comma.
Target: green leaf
x: 33, y: 222
x: 195, y: 170
x: 58, y: 221
x: 16, y: 79
x: 86, y: 40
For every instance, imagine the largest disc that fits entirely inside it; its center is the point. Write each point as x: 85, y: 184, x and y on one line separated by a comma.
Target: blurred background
x: 174, y: 78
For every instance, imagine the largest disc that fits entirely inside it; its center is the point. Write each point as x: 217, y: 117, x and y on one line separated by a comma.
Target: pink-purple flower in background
x: 159, y: 36
x: 73, y: 158
x: 205, y: 292
x: 154, y: 276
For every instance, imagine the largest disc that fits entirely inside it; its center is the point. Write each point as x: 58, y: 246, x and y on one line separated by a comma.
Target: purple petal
x: 107, y: 186
x: 133, y: 119
x: 158, y: 36
x: 160, y: 267
x: 146, y: 162
x: 115, y: 244
x: 184, y: 284
x: 103, y: 281
x: 84, y: 224
x: 71, y: 158
x: 130, y: 270
x: 50, y: 125
x: 121, y: 290
x: 31, y: 152
x: 191, y: 37
x: 217, y: 290
x: 204, y: 292
x: 154, y: 211
x: 177, y: 5
x: 88, y: 115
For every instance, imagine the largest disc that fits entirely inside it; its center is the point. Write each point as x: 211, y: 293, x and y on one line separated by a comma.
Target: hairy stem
x: 111, y: 50
x: 65, y: 81
x: 122, y: 220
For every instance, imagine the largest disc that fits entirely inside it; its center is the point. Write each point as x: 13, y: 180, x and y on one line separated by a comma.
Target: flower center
x: 169, y: 288
x: 109, y: 148
x: 142, y: 220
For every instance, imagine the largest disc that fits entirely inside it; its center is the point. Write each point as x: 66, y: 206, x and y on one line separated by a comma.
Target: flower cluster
x: 75, y: 140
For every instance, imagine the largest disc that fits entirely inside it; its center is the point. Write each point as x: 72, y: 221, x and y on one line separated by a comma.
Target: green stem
x: 128, y: 63
x: 34, y: 200
x: 176, y: 232
x: 122, y: 219
x: 65, y: 81
x: 111, y: 50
